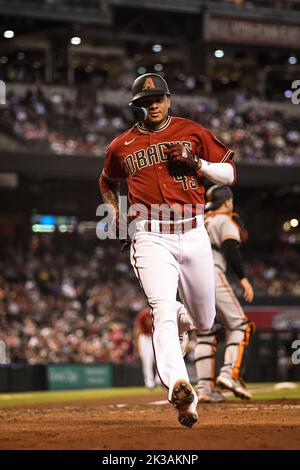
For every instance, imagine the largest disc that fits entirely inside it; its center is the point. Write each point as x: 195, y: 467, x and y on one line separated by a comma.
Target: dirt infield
x: 138, y: 423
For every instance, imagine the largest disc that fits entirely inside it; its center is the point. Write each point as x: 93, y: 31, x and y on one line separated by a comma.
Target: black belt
x: 173, y: 227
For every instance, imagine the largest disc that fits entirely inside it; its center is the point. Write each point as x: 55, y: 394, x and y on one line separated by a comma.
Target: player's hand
x: 181, y: 158
x: 119, y: 227
x: 248, y: 289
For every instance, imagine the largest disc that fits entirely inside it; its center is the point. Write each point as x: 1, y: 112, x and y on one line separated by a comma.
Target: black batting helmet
x: 149, y: 84
x: 216, y: 196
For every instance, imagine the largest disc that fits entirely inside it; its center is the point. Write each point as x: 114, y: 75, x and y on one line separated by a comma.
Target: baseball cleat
x: 235, y: 386
x: 185, y: 401
x: 207, y: 396
x: 184, y: 342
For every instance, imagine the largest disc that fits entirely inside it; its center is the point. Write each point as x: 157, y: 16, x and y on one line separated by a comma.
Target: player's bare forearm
x: 111, y: 197
x: 110, y: 190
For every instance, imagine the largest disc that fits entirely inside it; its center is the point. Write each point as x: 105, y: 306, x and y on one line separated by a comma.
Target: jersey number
x: 187, y: 182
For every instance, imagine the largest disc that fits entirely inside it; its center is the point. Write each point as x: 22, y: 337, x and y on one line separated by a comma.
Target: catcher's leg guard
x: 237, y: 342
x: 205, y: 351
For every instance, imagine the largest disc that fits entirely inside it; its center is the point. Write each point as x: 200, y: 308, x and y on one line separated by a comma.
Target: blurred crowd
x: 287, y: 4
x: 68, y: 299
x: 276, y: 274
x: 257, y: 134
x: 104, y: 3
x: 58, y: 125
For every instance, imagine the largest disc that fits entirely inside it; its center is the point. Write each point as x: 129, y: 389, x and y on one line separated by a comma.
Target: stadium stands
x: 66, y: 299
x: 54, y: 123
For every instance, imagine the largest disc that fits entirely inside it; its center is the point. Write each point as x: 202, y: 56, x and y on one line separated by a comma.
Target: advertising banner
x: 76, y: 376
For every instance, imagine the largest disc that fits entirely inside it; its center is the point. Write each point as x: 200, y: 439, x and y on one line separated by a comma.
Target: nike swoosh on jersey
x: 127, y: 142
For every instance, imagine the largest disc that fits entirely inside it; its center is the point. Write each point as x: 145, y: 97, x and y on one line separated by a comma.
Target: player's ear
x: 228, y: 204
x: 168, y: 102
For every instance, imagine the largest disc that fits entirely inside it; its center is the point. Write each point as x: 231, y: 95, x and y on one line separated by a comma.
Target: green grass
x: 265, y: 391
x: 32, y: 398
x: 278, y: 395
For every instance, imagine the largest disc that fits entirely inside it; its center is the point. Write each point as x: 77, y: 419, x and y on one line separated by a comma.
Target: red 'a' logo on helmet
x: 148, y: 84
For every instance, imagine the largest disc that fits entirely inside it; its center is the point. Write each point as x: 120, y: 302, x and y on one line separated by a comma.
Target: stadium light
x: 288, y: 93
x: 156, y: 48
x: 141, y: 70
x: 219, y: 53
x: 8, y: 34
x: 293, y: 60
x: 286, y: 226
x: 158, y: 67
x: 75, y: 40
x: 294, y: 223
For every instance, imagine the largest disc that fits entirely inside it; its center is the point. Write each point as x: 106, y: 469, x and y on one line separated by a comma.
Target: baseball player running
x: 226, y: 233
x: 164, y: 160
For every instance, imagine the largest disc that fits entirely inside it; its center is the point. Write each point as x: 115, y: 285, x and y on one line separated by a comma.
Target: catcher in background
x: 226, y: 233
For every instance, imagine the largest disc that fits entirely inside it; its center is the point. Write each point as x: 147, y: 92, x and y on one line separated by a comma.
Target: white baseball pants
x: 164, y: 263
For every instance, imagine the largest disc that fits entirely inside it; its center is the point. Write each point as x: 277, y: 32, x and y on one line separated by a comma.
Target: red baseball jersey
x: 143, y: 322
x: 138, y: 156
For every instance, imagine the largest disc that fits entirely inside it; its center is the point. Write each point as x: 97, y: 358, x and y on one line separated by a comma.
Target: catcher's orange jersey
x: 138, y: 156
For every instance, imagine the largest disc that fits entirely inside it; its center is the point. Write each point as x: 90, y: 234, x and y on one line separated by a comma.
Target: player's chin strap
x: 139, y: 113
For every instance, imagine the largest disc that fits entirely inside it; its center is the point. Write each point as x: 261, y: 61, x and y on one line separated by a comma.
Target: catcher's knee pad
x: 205, y: 345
